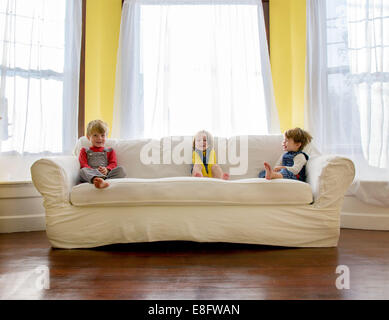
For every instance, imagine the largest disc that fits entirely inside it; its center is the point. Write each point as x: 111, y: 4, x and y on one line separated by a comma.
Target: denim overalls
x: 288, y: 161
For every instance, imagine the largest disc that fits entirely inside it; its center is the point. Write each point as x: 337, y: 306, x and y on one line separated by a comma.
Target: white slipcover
x: 79, y: 216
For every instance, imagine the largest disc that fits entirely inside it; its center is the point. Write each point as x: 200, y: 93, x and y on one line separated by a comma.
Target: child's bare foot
x: 226, y: 176
x: 268, y: 171
x: 100, y: 183
x: 198, y: 174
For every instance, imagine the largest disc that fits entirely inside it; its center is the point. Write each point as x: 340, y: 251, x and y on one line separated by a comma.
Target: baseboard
x: 22, y: 223
x: 356, y: 214
x: 21, y: 207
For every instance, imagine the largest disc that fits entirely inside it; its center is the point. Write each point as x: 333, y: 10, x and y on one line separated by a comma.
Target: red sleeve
x: 83, y: 159
x: 112, y: 162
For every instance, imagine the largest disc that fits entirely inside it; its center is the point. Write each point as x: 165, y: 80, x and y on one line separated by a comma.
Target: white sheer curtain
x: 347, y: 92
x: 186, y: 65
x: 40, y: 45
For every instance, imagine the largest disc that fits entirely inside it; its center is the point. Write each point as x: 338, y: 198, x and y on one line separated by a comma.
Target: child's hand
x: 278, y: 168
x: 103, y: 170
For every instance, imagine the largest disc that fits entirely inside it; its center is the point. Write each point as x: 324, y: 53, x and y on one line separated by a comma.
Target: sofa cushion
x: 241, y: 156
x: 188, y: 190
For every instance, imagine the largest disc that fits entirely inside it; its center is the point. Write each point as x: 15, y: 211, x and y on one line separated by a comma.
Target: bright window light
x: 200, y: 67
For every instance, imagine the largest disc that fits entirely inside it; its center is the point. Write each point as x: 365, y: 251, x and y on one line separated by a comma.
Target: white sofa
x: 158, y: 202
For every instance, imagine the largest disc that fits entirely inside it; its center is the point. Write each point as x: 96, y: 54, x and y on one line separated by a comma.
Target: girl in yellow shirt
x: 204, y: 157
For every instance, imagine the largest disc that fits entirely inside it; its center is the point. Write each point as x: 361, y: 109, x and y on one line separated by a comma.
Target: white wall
x: 21, y: 206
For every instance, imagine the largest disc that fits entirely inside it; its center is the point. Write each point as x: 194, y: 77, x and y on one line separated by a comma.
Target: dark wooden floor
x: 186, y: 270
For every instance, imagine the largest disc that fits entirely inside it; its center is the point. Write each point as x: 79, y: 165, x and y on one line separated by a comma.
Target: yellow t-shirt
x: 196, y: 159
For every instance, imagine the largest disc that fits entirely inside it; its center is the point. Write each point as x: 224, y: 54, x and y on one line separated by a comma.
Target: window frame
x: 81, y: 93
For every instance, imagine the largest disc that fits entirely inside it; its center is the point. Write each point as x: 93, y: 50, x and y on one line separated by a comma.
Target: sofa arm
x: 54, y: 178
x: 329, y: 177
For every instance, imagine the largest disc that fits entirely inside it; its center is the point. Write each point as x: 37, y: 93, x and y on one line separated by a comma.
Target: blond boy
x: 97, y: 162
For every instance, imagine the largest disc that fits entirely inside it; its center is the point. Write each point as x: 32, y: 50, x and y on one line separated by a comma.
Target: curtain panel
x: 40, y: 46
x: 186, y: 65
x: 347, y: 88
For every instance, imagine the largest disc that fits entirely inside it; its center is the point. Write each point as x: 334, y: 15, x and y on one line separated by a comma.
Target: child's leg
x: 87, y: 174
x: 262, y: 174
x: 270, y: 174
x: 197, y: 170
x: 217, y: 172
x: 288, y: 175
x: 93, y: 176
x: 116, y: 173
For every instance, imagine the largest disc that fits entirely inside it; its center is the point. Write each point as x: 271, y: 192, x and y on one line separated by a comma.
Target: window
x: 348, y: 82
x: 40, y: 59
x: 190, y: 65
x: 358, y: 76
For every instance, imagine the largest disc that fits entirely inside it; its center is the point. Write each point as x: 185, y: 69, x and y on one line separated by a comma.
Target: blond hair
x: 209, y: 138
x: 299, y: 136
x: 97, y: 126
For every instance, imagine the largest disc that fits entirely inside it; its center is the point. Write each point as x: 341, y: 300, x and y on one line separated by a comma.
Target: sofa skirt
x: 291, y: 226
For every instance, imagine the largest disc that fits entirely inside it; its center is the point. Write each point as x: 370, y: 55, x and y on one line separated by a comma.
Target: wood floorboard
x: 188, y: 270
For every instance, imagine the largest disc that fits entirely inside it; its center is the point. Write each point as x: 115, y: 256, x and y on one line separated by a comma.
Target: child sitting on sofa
x: 97, y: 162
x: 292, y: 163
x: 204, y: 157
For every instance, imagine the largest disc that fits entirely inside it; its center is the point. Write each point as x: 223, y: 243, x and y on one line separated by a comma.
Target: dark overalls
x: 288, y: 161
x: 99, y: 159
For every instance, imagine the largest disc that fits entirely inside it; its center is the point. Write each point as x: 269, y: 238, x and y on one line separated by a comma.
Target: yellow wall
x: 287, y: 56
x: 102, y: 39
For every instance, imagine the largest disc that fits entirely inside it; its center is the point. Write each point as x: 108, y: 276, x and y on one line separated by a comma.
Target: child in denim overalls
x: 97, y: 162
x: 292, y: 163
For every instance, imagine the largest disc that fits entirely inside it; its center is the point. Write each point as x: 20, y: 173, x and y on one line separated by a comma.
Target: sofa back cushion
x: 241, y: 156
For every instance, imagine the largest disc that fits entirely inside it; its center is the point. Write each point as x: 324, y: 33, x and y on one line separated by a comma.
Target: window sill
x: 16, y: 169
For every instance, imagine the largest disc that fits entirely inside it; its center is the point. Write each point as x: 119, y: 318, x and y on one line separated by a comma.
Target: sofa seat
x: 189, y: 190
